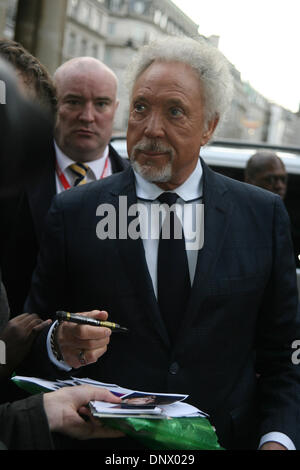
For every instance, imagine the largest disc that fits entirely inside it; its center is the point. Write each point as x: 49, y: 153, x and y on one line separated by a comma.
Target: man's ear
x: 210, y: 130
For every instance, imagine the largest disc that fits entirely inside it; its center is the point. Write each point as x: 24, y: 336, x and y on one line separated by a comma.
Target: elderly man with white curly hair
x: 214, y: 319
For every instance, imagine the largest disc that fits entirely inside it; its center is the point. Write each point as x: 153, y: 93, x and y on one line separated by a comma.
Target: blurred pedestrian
x: 23, y: 130
x: 34, y: 79
x: 266, y: 170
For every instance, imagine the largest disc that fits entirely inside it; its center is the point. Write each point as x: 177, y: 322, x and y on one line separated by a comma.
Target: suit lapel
x: 217, y: 214
x: 132, y: 255
x: 117, y: 162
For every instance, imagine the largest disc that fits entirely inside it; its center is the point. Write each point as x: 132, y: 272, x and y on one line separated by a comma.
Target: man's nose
x: 87, y: 113
x: 154, y: 125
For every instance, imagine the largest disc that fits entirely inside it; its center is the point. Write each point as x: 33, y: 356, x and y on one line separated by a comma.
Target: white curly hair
x: 209, y: 63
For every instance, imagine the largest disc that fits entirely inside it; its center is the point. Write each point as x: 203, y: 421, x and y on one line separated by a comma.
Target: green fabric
x: 158, y: 434
x: 168, y: 434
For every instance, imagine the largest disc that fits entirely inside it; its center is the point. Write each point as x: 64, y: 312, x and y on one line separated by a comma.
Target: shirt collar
x: 190, y: 190
x: 96, y: 166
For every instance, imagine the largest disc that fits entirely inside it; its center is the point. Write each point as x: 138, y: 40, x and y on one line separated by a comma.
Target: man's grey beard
x: 147, y: 171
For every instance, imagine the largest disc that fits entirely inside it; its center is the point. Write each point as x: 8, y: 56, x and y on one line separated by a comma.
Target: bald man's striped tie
x: 80, y: 170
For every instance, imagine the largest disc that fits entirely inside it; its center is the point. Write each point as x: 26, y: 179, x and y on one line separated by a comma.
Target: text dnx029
x: 2, y: 92
x: 144, y: 220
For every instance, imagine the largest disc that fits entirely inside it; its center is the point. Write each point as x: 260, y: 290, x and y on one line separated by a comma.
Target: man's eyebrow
x: 80, y: 97
x: 175, y: 102
x: 71, y: 95
x: 103, y: 98
x: 169, y: 101
x: 139, y: 98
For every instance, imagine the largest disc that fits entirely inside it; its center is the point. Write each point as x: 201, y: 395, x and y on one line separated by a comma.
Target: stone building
x: 85, y: 29
x: 112, y: 30
x: 248, y: 117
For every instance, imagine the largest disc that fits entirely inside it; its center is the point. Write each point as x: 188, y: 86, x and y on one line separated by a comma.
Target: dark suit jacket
x: 240, y: 320
x: 24, y: 425
x: 24, y: 216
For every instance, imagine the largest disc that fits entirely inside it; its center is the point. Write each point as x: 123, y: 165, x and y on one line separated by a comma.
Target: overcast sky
x: 260, y: 37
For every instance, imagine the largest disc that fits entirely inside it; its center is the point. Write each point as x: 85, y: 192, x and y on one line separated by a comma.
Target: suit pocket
x: 238, y: 285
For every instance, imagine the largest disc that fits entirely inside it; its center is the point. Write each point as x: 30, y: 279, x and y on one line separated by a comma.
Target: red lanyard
x: 66, y: 183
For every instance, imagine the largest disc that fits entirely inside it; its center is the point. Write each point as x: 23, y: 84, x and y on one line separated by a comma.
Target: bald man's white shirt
x: 94, y: 173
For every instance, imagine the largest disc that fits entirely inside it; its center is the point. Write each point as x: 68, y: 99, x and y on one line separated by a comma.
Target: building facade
x: 112, y: 31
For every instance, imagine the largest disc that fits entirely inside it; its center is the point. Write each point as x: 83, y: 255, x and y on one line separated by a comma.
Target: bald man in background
x: 79, y: 153
x: 266, y: 170
x: 87, y: 102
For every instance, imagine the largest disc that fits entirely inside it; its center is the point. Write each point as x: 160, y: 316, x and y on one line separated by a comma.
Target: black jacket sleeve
x: 24, y: 425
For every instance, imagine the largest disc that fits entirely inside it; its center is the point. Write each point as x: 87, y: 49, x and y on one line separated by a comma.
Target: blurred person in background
x: 34, y: 80
x: 24, y: 131
x: 266, y: 170
x: 18, y: 242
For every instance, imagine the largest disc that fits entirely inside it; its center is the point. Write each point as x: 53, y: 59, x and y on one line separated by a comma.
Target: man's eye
x: 139, y: 108
x: 176, y: 112
x: 73, y: 102
x: 102, y: 104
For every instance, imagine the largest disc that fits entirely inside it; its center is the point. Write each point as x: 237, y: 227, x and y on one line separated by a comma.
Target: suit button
x: 174, y: 368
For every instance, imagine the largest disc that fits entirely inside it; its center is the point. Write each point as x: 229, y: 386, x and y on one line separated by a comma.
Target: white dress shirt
x: 190, y: 192
x: 94, y: 173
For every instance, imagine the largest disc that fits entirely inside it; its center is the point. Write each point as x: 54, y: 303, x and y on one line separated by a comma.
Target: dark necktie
x: 80, y: 170
x: 173, y: 279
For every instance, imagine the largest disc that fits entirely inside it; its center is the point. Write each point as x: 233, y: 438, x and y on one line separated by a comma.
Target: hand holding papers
x: 134, y: 403
x: 168, y: 422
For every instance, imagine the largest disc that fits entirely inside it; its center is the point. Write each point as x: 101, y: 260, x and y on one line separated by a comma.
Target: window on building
x: 85, y: 12
x: 83, y: 47
x: 95, y: 51
x: 71, y: 48
x: 157, y: 16
x: 111, y: 28
x: 163, y: 21
x: 115, y: 5
x: 137, y: 6
x: 96, y: 20
x: 108, y: 56
x: 73, y: 7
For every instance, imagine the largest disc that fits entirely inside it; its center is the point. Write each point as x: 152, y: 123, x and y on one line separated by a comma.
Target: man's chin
x: 151, y: 174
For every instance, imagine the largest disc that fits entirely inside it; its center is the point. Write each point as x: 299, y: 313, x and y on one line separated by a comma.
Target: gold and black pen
x: 82, y: 320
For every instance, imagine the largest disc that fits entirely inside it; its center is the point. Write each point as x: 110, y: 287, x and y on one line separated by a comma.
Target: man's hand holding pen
x: 83, y: 344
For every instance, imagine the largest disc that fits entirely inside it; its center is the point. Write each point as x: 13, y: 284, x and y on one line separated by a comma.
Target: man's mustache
x: 153, y: 145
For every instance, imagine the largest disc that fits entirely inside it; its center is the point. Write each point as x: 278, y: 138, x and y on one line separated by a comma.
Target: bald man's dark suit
x: 240, y: 320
